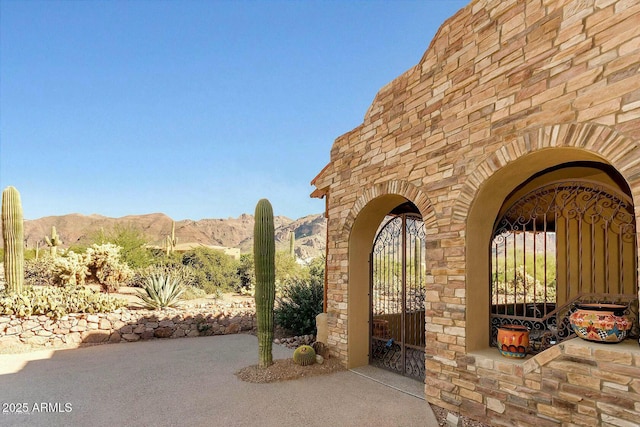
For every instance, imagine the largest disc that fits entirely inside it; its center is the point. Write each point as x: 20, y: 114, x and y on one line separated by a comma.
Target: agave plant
x: 161, y: 291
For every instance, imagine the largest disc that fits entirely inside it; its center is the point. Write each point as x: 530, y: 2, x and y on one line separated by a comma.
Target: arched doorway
x: 397, y: 294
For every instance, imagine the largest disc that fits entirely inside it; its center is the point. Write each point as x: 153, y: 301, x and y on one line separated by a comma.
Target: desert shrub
x: 161, y: 291
x: 315, y: 268
x: 29, y: 254
x: 38, y: 272
x: 287, y: 269
x: 105, y: 266
x: 132, y: 242
x: 191, y: 292
x: 298, y: 305
x: 57, y: 302
x: 69, y: 269
x: 214, y: 271
x: 246, y: 274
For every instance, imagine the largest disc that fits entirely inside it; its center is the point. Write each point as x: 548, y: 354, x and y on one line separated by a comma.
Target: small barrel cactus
x: 304, y: 355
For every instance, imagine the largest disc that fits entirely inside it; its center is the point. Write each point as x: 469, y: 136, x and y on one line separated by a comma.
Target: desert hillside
x: 310, y: 231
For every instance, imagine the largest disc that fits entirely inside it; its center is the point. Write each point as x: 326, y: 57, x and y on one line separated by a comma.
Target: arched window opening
x: 563, y: 242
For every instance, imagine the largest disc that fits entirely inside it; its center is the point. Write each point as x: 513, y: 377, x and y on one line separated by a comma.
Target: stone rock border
x: 126, y: 325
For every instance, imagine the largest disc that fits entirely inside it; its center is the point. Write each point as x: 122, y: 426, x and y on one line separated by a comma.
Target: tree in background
x: 287, y: 268
x: 214, y: 270
x: 133, y: 243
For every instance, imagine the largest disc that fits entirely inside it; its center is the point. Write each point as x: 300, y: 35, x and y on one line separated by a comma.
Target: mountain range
x: 310, y: 231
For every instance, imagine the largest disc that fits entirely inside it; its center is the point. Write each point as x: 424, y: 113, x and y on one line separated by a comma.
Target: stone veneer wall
x: 126, y: 325
x: 574, y: 383
x: 502, y: 85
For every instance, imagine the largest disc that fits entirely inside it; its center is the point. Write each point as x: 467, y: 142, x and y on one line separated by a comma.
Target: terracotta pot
x: 513, y: 340
x: 600, y: 322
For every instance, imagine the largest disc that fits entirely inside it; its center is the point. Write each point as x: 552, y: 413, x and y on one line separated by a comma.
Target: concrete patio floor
x: 191, y: 382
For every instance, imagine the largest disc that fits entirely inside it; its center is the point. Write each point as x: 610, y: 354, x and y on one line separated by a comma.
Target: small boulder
x: 163, y: 332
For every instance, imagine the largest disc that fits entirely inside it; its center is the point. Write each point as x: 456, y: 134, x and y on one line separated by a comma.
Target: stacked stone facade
x: 503, y: 81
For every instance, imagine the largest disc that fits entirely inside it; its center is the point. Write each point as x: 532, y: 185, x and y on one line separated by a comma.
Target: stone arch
x: 400, y: 188
x: 516, y: 161
x: 621, y: 152
x: 360, y: 226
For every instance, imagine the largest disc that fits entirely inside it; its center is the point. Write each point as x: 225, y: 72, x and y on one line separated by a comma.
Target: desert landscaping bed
x: 203, y: 317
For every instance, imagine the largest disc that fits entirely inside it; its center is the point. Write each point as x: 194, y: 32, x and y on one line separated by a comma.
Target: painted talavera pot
x: 513, y: 340
x: 600, y: 322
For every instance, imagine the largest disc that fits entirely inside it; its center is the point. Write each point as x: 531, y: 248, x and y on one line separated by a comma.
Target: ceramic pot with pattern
x: 600, y: 322
x: 513, y: 341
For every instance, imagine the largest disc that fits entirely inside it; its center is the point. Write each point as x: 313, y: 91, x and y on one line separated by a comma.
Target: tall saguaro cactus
x: 13, y: 235
x: 264, y: 250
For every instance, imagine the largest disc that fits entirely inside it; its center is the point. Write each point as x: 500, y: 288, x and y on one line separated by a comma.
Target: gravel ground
x: 286, y: 369
x: 441, y: 415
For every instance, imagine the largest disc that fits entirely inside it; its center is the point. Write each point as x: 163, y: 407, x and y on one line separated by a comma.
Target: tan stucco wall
x: 506, y: 89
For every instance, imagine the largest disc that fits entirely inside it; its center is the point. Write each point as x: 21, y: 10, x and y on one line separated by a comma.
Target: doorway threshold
x: 390, y: 379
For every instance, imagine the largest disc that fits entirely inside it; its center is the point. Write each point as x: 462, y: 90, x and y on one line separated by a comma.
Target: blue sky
x: 192, y: 108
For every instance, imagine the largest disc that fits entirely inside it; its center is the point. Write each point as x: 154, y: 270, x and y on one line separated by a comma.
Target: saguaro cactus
x: 292, y: 244
x: 264, y: 250
x: 13, y: 235
x: 53, y: 242
x: 171, y: 241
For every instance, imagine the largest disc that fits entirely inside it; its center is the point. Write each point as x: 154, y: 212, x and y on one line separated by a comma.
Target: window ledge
x: 489, y: 357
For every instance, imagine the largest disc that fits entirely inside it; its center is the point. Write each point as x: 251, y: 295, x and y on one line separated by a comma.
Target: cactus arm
x: 13, y: 235
x: 264, y: 258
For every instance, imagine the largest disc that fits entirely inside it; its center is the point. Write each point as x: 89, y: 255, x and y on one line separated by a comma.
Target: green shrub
x: 214, y: 271
x: 287, y: 269
x: 301, y: 301
x: 57, y: 302
x: 29, y: 254
x: 161, y: 291
x: 133, y: 243
x: 246, y: 274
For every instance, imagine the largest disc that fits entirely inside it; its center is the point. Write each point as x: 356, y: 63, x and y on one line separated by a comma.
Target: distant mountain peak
x: 310, y: 231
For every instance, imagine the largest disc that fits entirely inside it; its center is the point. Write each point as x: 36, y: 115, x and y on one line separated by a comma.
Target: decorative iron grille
x: 562, y: 243
x: 397, y: 296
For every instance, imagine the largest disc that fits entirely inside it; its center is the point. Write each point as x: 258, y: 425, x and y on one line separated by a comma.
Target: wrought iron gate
x: 397, y: 296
